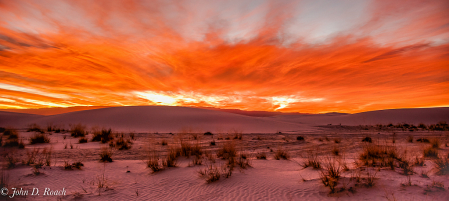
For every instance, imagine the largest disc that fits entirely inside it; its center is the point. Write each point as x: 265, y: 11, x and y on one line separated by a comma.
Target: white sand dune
x: 174, y: 119
x: 160, y: 119
x: 414, y: 116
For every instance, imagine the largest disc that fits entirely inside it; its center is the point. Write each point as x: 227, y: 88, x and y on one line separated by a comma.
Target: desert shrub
x: 208, y: 133
x: 406, y: 167
x: 78, y: 130
x: 31, y: 157
x: 422, y: 126
x: 430, y: 152
x: 1, y: 140
x: 67, y: 166
x: 11, y: 132
x: 435, y: 142
x: 423, y: 140
x: 367, y: 139
x: 103, y: 135
x: 35, y: 128
x: 39, y: 138
x: 2, y: 129
x: 210, y: 173
x: 442, y: 166
x: 227, y: 151
x: 82, y: 140
x: 171, y: 159
x: 281, y: 154
x: 335, y: 151
x: 105, y: 155
x: 261, y: 155
x: 330, y: 174
x: 164, y: 143
x: 371, y: 179
x: 10, y: 160
x: 300, y: 138
x: 243, y: 161
x: 418, y: 161
x: 410, y: 138
x: 122, y: 144
x: 238, y: 135
x: 132, y: 136
x: 376, y: 155
x: 337, y: 140
x: 153, y: 161
x: 212, y: 143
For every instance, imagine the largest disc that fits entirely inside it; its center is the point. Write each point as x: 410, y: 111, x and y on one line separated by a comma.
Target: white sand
x: 265, y: 180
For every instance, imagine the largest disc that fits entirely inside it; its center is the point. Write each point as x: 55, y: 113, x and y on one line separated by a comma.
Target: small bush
x: 212, y: 143
x: 335, y: 151
x: 82, y: 140
x: 210, y: 173
x: 35, y: 128
x: 171, y: 159
x: 153, y: 161
x: 423, y: 140
x: 243, y: 161
x: 11, y: 133
x: 330, y: 175
x: 122, y: 144
x: 208, y: 133
x: 132, y: 136
x: 238, y: 136
x: 261, y: 155
x: 430, y: 152
x: 436, y: 142
x: 103, y: 135
x: 300, y: 138
x: 227, y: 151
x: 442, y: 166
x: 105, y: 155
x: 367, y: 139
x: 78, y: 130
x: 281, y: 154
x: 410, y: 138
x: 164, y: 143
x: 39, y: 138
x: 337, y: 140
x: 312, y: 161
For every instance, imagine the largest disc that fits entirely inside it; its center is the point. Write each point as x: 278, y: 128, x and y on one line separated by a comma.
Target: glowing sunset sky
x: 293, y: 56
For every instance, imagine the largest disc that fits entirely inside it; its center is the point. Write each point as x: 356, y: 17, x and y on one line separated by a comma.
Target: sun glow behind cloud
x: 306, y: 56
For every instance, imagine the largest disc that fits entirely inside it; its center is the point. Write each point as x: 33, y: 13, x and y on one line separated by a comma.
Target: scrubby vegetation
x: 106, y: 155
x: 78, y: 130
x: 39, y: 138
x: 281, y: 154
x: 103, y: 135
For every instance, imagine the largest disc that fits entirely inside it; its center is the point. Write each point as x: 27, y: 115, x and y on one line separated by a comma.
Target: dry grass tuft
x: 442, y: 166
x: 261, y: 155
x: 103, y: 135
x: 153, y: 161
x: 435, y: 142
x: 227, y: 150
x: 281, y: 154
x: 106, y: 154
x: 82, y: 140
x: 171, y: 159
x: 39, y: 138
x: 243, y: 161
x: 211, y: 173
x: 430, y: 152
x: 330, y: 174
x: 78, y: 130
x: 35, y: 128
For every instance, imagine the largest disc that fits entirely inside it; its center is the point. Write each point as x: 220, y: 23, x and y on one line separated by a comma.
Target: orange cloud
x: 112, y: 53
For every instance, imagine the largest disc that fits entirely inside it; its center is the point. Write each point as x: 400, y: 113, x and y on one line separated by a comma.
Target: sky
x: 311, y: 56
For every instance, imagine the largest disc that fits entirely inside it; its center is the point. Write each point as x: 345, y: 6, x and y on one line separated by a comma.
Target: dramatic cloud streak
x: 308, y: 56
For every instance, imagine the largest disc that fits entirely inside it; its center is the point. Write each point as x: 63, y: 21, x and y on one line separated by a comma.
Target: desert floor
x: 129, y: 178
